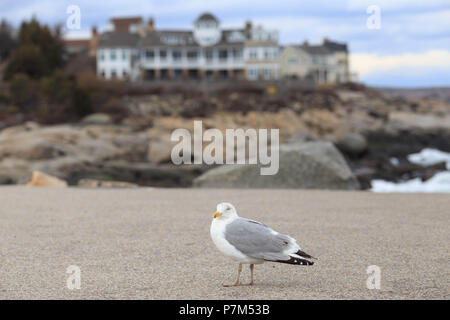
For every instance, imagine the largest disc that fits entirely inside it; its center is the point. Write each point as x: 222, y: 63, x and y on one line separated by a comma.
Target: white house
x: 135, y: 51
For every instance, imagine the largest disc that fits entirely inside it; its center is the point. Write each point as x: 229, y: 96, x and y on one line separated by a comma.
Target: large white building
x: 136, y: 51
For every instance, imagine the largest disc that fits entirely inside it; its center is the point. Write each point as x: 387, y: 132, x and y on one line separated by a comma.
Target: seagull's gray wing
x: 257, y: 240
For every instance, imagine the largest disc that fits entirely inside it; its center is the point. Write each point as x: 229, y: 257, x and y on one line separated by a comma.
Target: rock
x: 160, y: 148
x: 14, y: 171
x: 399, y: 121
x: 312, y: 165
x: 352, y: 143
x: 97, y: 118
x: 40, y: 179
x: 92, y: 183
x: 302, y: 136
x: 27, y: 126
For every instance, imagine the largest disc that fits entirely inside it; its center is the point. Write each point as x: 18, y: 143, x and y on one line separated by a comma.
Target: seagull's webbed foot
x: 237, y: 283
x: 232, y: 285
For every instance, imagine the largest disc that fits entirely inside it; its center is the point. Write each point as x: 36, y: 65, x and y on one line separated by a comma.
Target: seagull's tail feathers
x: 303, y: 254
x: 297, y: 261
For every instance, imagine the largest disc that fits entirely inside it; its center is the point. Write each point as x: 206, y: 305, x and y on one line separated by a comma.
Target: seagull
x: 252, y: 242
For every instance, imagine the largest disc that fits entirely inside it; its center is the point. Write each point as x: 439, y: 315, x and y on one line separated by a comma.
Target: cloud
x: 411, y: 69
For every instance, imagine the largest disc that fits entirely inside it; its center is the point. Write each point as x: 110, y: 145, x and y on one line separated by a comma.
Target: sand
x: 154, y: 244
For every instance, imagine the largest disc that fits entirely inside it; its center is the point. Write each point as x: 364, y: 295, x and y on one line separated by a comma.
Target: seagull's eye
x: 228, y: 209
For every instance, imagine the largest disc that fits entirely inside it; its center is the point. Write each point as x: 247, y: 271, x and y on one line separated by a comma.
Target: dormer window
x: 236, y: 37
x: 171, y: 39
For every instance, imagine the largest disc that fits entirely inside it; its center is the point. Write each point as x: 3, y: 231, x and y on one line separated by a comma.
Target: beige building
x: 325, y: 63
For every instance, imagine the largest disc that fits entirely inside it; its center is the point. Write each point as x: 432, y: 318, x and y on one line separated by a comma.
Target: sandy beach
x: 150, y: 243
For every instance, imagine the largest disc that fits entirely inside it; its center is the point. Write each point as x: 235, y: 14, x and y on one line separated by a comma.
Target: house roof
x: 335, y: 46
x: 77, y: 42
x: 127, y: 20
x: 315, y: 49
x: 118, y: 39
x: 184, y: 38
x: 123, y: 24
x: 206, y: 17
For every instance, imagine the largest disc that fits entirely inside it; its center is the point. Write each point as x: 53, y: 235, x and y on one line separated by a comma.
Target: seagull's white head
x: 225, y: 210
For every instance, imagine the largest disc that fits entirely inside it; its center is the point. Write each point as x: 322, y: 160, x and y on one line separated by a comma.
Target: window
x: 177, y: 73
x: 113, y: 55
x: 292, y: 60
x: 237, y: 54
x: 266, y: 73
x: 267, y: 54
x: 102, y: 73
x: 209, y: 55
x: 253, y: 73
x: 223, y: 54
x: 176, y: 55
x: 102, y: 56
x: 149, y: 54
x: 113, y: 73
x: 253, y: 54
x: 163, y: 54
x: 124, y: 55
x: 209, y: 74
x: 192, y: 55
x: 124, y: 74
x: 223, y: 74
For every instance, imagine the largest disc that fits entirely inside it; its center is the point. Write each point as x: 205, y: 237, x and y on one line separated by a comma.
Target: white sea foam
x: 428, y: 157
x: 440, y: 182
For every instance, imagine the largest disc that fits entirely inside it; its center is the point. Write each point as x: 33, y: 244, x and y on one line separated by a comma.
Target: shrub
x: 22, y: 91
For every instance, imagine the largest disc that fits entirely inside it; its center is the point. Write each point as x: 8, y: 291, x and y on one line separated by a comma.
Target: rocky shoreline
x: 372, y: 132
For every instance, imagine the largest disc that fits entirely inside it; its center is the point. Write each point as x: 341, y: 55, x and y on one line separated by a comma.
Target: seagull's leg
x: 237, y: 280
x: 252, y: 266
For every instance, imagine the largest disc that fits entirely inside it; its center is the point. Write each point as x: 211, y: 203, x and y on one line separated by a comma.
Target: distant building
x: 88, y: 46
x: 325, y: 63
x: 138, y: 51
x: 135, y: 50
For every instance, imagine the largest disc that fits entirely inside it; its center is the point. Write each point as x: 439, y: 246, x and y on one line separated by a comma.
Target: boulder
x: 40, y: 179
x: 352, y: 143
x: 97, y: 118
x: 311, y: 165
x: 92, y: 183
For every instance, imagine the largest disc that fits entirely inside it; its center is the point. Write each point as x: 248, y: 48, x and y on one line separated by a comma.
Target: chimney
x: 93, y: 43
x: 325, y: 40
x: 248, y: 25
x: 151, y: 25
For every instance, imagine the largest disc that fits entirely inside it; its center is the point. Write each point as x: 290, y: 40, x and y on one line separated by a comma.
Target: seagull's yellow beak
x: 217, y: 214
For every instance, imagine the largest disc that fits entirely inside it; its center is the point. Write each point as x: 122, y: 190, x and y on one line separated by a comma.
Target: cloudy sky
x: 410, y: 49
